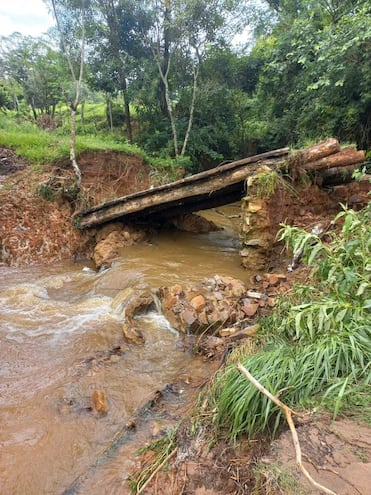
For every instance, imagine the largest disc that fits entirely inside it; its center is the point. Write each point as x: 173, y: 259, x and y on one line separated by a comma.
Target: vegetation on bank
x: 40, y: 146
x: 161, y: 72
x: 314, y: 349
x: 313, y: 352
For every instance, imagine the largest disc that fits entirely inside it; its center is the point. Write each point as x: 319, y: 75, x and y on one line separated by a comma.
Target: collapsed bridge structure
x: 225, y: 184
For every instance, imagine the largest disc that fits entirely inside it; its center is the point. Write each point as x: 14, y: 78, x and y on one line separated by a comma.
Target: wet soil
x: 337, y: 454
x: 37, y: 208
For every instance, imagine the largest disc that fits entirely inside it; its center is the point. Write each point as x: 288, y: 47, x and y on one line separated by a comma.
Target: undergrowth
x: 266, y: 184
x: 315, y: 347
x: 161, y: 450
x: 273, y: 479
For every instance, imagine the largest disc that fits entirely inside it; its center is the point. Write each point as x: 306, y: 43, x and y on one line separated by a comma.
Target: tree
x: 115, y: 35
x: 36, y: 67
x: 313, y: 82
x: 182, y: 30
x: 72, y: 53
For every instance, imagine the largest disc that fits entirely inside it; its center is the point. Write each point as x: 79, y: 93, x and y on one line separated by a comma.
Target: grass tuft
x: 161, y: 450
x: 273, y: 479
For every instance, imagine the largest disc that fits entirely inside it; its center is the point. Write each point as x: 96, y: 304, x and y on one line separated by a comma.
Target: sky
x: 31, y: 17
x: 28, y: 17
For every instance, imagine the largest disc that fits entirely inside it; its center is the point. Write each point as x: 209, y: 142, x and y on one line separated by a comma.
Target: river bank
x: 198, y: 281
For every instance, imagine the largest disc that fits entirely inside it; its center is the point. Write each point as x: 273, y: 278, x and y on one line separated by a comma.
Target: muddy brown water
x: 57, y: 328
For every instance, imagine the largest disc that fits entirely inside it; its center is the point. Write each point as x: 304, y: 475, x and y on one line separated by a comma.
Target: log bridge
x: 219, y: 186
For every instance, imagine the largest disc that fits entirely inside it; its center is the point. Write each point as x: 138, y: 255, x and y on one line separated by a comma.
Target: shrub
x: 315, y: 352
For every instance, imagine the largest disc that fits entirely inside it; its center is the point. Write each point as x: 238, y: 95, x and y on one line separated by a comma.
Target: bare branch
x: 64, y: 44
x: 288, y: 414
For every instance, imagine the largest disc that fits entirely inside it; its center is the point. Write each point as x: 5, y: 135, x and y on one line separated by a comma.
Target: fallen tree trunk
x: 337, y: 175
x: 347, y: 156
x: 320, y: 150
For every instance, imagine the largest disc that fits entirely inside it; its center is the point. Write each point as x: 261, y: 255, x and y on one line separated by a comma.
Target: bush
x: 314, y: 352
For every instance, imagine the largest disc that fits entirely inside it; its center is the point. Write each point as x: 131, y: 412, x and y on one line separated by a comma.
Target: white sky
x: 28, y: 17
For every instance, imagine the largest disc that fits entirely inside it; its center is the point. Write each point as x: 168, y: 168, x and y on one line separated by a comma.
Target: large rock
x: 100, y: 405
x: 129, y: 303
x: 112, y: 239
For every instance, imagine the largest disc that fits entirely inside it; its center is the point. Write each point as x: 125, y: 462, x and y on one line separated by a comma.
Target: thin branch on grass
x: 159, y: 467
x: 288, y: 414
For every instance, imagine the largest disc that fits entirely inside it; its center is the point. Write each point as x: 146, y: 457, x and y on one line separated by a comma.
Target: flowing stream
x: 61, y: 339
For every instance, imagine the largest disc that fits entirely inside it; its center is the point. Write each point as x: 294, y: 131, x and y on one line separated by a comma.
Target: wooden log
x: 320, y: 150
x: 335, y: 176
x: 178, y: 197
x: 347, y: 156
x: 172, y: 199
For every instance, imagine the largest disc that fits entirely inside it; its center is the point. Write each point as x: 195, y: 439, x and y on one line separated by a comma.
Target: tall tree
x: 75, y: 55
x: 182, y: 29
x: 115, y: 37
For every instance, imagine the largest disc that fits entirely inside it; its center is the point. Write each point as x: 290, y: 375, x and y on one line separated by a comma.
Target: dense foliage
x: 174, y: 80
x: 316, y: 347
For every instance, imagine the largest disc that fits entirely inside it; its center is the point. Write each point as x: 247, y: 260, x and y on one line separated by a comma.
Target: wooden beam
x: 347, y: 156
x: 188, y: 194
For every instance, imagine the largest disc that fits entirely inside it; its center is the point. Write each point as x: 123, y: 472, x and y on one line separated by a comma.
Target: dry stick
x: 168, y: 457
x: 288, y: 413
x: 333, y: 471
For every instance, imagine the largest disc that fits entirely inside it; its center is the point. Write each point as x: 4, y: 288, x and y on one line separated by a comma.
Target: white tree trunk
x: 78, y: 83
x: 73, y: 146
x: 191, y: 110
x: 165, y: 80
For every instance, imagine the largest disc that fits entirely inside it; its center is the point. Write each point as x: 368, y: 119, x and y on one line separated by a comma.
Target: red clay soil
x: 337, y: 455
x: 36, y: 230
x: 108, y: 175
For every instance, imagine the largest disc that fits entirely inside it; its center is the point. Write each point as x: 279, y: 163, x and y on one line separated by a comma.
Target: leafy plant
x: 316, y: 346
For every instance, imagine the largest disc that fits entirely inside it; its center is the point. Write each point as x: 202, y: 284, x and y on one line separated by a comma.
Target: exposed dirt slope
x: 38, y: 228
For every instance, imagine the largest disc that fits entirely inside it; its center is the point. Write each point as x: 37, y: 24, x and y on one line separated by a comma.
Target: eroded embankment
x: 37, y: 207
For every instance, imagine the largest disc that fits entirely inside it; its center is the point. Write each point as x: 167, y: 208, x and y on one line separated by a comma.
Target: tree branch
x: 288, y: 414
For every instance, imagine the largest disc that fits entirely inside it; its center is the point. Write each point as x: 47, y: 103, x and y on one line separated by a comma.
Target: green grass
x: 316, y: 344
x: 266, y: 184
x: 40, y: 147
x: 162, y: 449
x: 273, y: 479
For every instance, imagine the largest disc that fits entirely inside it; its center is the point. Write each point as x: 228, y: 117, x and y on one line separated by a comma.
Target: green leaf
x: 362, y: 288
x: 339, y: 398
x: 340, y: 315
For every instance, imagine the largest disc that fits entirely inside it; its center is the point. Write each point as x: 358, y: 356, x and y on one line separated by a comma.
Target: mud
x: 304, y: 205
x: 337, y: 454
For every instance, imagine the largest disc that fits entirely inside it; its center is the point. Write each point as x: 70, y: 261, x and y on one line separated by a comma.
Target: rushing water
x: 58, y: 329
